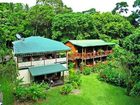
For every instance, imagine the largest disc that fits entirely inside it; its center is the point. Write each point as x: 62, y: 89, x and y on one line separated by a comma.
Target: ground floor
x: 52, y: 74
x: 52, y: 79
x: 92, y: 92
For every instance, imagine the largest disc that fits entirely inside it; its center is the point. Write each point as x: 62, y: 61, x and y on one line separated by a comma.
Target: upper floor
x: 38, y: 51
x: 88, y: 49
x: 24, y: 62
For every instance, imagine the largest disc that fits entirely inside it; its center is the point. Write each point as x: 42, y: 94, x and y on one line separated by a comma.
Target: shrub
x: 74, y: 77
x: 100, y: 51
x: 87, y: 70
x: 66, y: 89
x: 135, y: 91
x: 113, y: 76
x: 45, y: 85
x: 32, y: 92
x: 113, y: 73
x: 75, y: 85
x: 71, y: 65
x: 98, y: 67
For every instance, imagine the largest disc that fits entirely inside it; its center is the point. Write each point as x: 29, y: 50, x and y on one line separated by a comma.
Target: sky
x: 82, y: 5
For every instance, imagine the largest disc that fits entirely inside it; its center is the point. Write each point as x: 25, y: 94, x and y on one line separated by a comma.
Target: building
x: 40, y: 59
x: 88, y: 52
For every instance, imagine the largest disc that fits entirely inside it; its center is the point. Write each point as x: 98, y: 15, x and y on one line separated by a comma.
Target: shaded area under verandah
x: 52, y: 74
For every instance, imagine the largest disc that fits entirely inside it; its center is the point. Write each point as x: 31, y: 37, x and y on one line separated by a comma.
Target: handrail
x: 88, y: 55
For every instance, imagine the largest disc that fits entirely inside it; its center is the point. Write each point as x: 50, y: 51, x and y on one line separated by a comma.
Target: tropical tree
x: 137, y: 11
x: 137, y: 4
x: 132, y: 44
x: 90, y: 11
x: 134, y: 18
x: 121, y: 7
x: 40, y: 18
x: 113, y: 25
x: 12, y: 21
x: 73, y: 26
x: 57, y: 5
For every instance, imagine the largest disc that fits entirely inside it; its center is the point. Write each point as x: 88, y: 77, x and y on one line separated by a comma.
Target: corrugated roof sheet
x: 48, y: 69
x: 37, y: 44
x: 89, y: 43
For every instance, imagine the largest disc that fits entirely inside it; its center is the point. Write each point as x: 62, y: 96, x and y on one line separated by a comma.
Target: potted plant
x: 100, y: 51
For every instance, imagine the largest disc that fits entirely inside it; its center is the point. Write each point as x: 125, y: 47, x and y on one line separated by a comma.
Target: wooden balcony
x: 88, y: 55
x: 22, y: 65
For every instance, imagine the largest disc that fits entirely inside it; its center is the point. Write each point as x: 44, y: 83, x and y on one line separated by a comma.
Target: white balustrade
x: 40, y: 62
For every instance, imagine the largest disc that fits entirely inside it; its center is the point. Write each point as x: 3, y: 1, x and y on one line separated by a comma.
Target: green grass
x: 93, y: 92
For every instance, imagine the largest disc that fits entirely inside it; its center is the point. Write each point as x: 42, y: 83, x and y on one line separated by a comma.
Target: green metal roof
x: 89, y: 43
x: 47, y: 69
x: 37, y: 44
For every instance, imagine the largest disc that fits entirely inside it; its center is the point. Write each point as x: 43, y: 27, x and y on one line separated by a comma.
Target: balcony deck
x: 41, y: 62
x: 89, y: 55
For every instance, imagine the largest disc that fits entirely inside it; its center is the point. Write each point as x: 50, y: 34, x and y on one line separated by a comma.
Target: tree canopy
x: 134, y: 18
x: 13, y: 20
x: 90, y: 11
x: 121, y: 7
x: 57, y: 5
x: 132, y: 42
x: 73, y: 26
x: 112, y: 25
x: 40, y: 18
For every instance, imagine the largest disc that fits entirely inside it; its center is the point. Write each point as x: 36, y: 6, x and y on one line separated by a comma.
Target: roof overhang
x: 47, y: 69
x: 90, y: 43
x: 36, y: 45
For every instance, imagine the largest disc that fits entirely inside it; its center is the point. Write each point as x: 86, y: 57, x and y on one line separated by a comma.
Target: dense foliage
x: 72, y: 26
x: 74, y: 78
x: 135, y: 91
x: 32, y: 92
x: 115, y: 69
x: 40, y: 18
x: 112, y: 25
x: 12, y: 21
x: 57, y: 5
x: 113, y: 74
x: 87, y: 70
x: 132, y: 44
x: 66, y: 89
x: 8, y: 75
x: 74, y: 82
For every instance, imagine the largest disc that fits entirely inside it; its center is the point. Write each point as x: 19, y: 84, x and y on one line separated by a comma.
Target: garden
x: 92, y: 92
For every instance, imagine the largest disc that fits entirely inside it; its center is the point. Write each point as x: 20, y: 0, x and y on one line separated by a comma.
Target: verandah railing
x: 88, y: 55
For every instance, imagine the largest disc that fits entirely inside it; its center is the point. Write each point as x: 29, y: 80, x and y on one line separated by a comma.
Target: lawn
x: 93, y: 92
